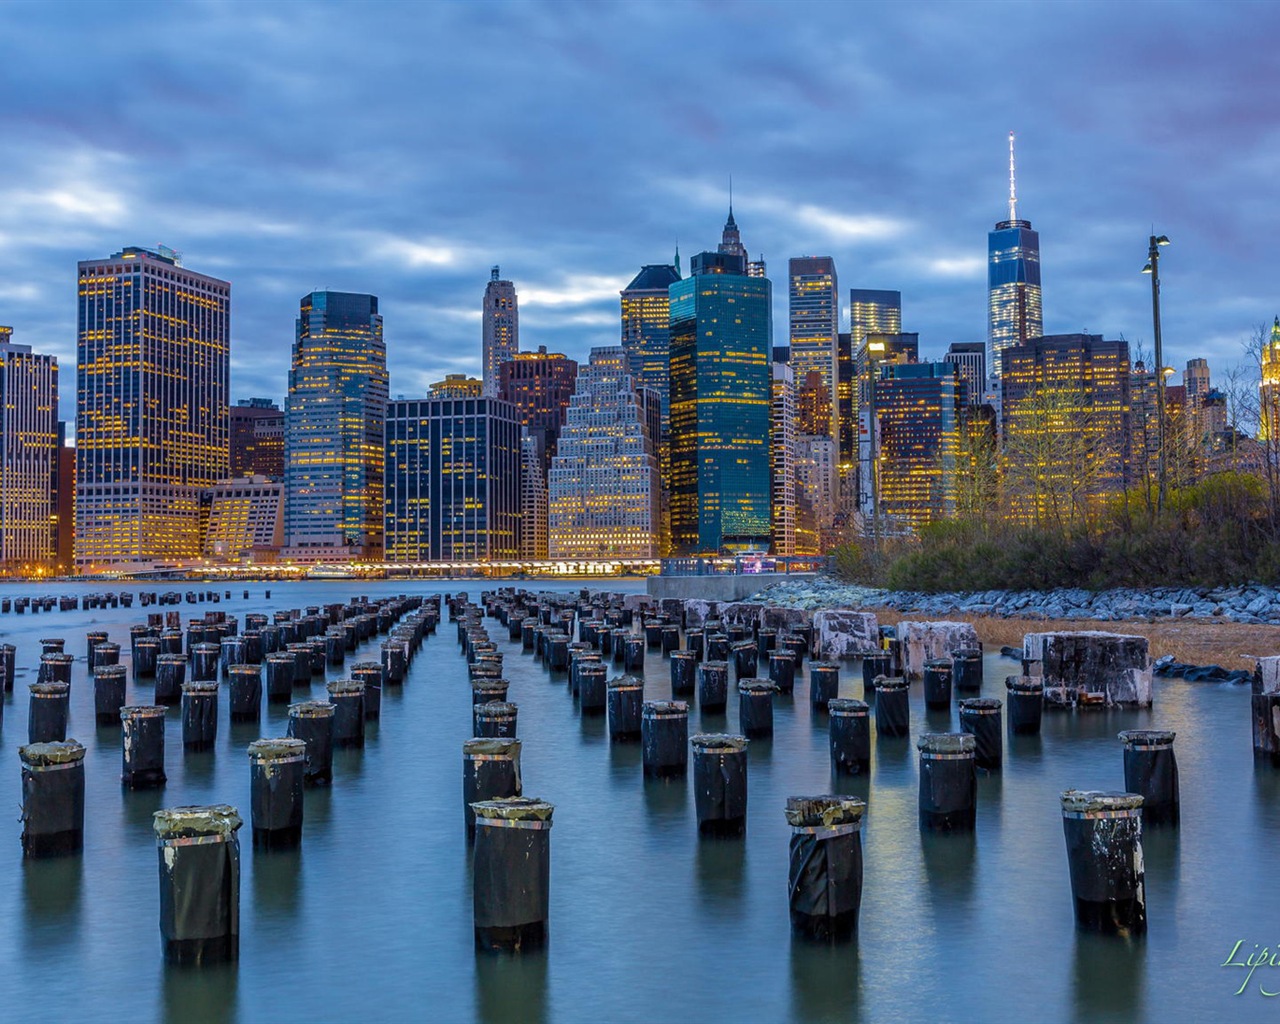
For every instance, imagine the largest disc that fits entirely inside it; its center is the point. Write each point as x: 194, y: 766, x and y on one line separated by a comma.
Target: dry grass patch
x: 1192, y: 641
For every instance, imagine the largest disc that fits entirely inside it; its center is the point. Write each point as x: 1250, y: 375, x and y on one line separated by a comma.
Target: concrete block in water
x: 697, y: 612
x: 842, y: 633
x: 1091, y: 668
x: 924, y: 641
x: 784, y: 620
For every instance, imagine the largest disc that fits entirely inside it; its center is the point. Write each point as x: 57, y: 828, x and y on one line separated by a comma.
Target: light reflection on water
x: 371, y: 919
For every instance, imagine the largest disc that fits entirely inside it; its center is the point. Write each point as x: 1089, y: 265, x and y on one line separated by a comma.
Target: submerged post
x: 277, y: 767
x: 312, y: 722
x: 948, y: 782
x: 1104, y: 852
x: 1151, y: 770
x: 850, y: 736
x: 664, y: 736
x: 142, y: 745
x: 720, y: 784
x: 511, y: 873
x: 825, y: 877
x: 199, y: 856
x: 52, y: 798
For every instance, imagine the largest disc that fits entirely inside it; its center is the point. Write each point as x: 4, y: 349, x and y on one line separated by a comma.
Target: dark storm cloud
x: 404, y: 148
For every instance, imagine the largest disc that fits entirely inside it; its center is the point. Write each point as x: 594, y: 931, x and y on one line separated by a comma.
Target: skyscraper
x: 782, y: 460
x: 501, y: 329
x: 1013, y: 281
x: 971, y: 358
x: 533, y: 500
x: 731, y: 245
x: 721, y: 392
x: 873, y: 311
x: 257, y: 438
x: 1269, y: 388
x: 334, y: 421
x: 919, y: 408
x: 646, y: 324
x: 877, y: 350
x: 28, y: 456
x: 453, y: 480
x: 64, y: 504
x: 153, y: 366
x: 814, y: 315
x: 539, y: 384
x: 602, y: 492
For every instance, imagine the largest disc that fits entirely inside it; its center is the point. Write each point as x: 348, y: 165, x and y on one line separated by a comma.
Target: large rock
x: 697, y: 612
x: 922, y: 641
x: 784, y: 619
x: 843, y: 633
x: 1091, y: 668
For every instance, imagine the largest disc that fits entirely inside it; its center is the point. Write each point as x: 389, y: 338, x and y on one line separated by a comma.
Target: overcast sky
x: 403, y: 149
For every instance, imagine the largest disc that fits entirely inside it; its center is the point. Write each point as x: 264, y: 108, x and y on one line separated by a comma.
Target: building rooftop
x: 653, y: 278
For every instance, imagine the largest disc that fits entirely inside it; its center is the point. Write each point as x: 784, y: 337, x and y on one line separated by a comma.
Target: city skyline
x: 255, y: 203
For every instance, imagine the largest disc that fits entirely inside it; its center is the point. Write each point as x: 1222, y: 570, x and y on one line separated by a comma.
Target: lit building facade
x: 245, y: 519
x: 877, y: 350
x: 646, y: 324
x: 334, y: 421
x: 28, y: 457
x: 533, y: 500
x: 782, y: 460
x: 603, y: 489
x: 457, y: 385
x: 453, y: 480
x: 501, y: 329
x: 818, y: 482
x: 814, y: 318
x: 64, y: 505
x: 971, y: 359
x: 721, y: 394
x: 539, y: 384
x: 153, y: 379
x: 1269, y: 395
x: 873, y: 311
x: 1066, y: 425
x: 1013, y: 288
x: 920, y: 410
x: 813, y: 405
x: 257, y: 438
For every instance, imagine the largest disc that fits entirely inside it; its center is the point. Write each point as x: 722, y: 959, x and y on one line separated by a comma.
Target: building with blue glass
x: 453, y: 479
x: 720, y: 398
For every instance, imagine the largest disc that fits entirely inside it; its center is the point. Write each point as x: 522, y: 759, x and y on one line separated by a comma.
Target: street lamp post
x: 1153, y: 268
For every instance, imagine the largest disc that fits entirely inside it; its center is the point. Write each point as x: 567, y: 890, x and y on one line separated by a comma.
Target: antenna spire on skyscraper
x: 1013, y: 192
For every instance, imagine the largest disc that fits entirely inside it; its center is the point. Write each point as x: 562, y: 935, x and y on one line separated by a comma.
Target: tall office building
x: 539, y: 384
x: 813, y: 405
x: 603, y: 489
x: 334, y: 421
x: 501, y: 331
x: 782, y: 460
x: 1066, y: 425
x: 845, y: 415
x: 1013, y: 281
x: 971, y: 358
x: 877, y: 350
x: 28, y: 457
x: 257, y: 438
x: 818, y: 482
x: 873, y: 311
x: 453, y: 480
x: 731, y: 245
x: 721, y: 393
x: 814, y: 316
x: 1195, y: 378
x: 64, y: 504
x: 153, y: 367
x: 919, y: 408
x: 646, y: 324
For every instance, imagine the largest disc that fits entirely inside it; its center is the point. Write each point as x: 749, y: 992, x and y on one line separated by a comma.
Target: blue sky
x: 404, y: 148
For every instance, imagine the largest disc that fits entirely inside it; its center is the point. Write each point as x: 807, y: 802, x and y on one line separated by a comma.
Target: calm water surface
x: 371, y: 920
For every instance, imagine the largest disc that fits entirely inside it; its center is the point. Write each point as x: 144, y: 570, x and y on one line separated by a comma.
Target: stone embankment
x: 1252, y: 604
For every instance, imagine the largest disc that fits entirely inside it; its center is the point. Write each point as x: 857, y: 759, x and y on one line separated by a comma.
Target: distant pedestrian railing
x: 745, y: 565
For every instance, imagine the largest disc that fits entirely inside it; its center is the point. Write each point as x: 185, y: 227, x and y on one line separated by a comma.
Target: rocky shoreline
x: 1253, y: 604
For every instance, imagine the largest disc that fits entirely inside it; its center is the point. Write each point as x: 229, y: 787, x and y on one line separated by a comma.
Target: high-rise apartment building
x: 813, y: 404
x: 971, y: 359
x: 257, y: 438
x: 603, y: 489
x: 153, y: 368
x: 1013, y: 281
x: 28, y: 457
x: 818, y: 482
x: 814, y: 316
x: 334, y: 421
x: 501, y: 331
x: 919, y: 408
x: 721, y: 393
x: 533, y: 500
x: 782, y: 460
x: 1195, y: 378
x: 1066, y: 425
x: 453, y: 480
x: 877, y: 350
x: 539, y: 384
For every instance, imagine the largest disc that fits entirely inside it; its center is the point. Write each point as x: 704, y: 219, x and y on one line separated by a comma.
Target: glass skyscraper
x: 721, y: 394
x: 453, y: 479
x: 334, y: 421
x: 153, y: 369
x: 28, y: 456
x: 1013, y: 289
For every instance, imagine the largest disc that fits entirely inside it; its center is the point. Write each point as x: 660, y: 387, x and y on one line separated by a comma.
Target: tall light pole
x: 1153, y: 268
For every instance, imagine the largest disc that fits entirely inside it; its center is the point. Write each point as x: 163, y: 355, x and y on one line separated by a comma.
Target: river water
x: 371, y: 919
